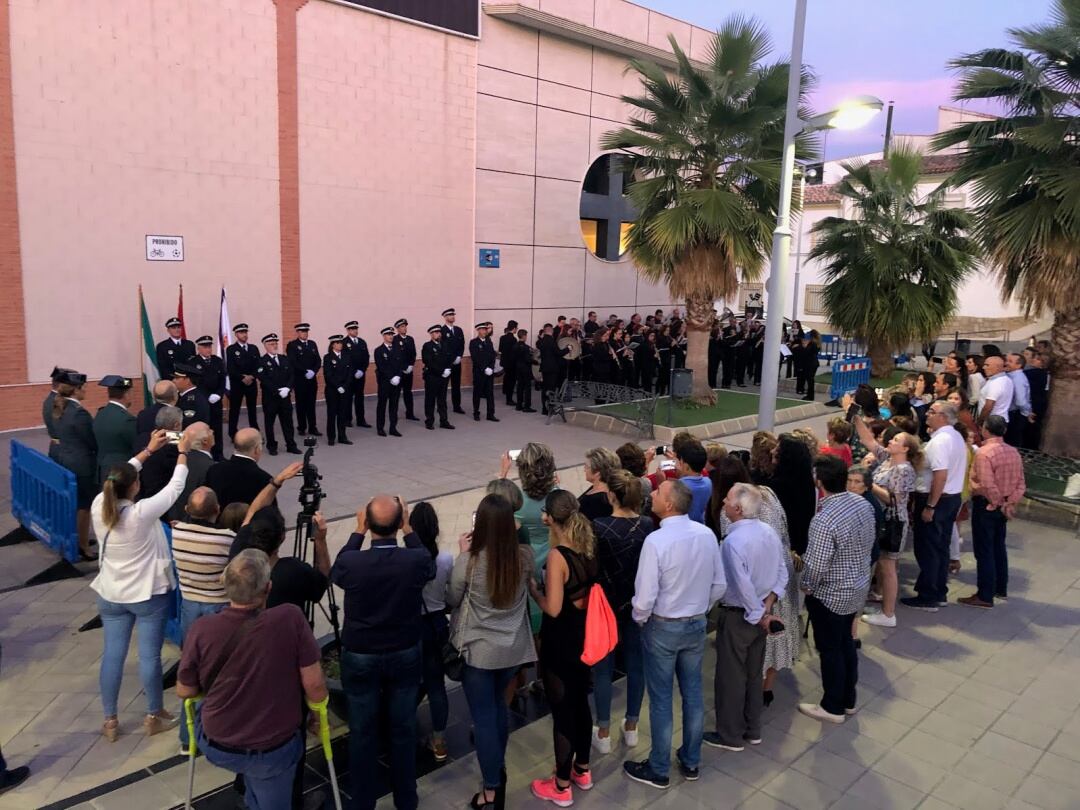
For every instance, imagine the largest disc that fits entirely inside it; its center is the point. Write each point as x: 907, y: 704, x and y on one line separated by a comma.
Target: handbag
x: 452, y: 658
x: 892, y: 530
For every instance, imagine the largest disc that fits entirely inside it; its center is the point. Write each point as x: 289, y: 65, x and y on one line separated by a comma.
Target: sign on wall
x: 489, y: 257
x: 164, y: 248
x: 462, y: 16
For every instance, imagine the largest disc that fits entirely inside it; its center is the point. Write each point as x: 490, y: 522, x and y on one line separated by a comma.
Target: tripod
x: 301, y: 542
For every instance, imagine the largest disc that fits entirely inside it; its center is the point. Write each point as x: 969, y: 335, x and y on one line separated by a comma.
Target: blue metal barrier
x: 172, y: 620
x: 44, y: 500
x: 848, y: 375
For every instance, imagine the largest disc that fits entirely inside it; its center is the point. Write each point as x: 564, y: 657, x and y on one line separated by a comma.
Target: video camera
x: 311, y: 491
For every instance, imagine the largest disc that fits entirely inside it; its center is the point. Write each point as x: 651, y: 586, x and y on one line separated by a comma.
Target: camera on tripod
x: 311, y: 491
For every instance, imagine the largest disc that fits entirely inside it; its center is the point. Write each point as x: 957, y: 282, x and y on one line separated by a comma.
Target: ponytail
x: 63, y: 392
x: 117, y: 485
x: 562, y: 508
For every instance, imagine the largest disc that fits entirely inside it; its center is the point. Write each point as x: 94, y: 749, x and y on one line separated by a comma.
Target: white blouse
x: 137, y: 563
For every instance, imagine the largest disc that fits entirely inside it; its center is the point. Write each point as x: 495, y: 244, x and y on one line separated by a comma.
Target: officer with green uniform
x: 114, y: 425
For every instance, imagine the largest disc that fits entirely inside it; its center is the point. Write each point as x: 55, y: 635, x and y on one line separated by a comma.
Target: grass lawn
x: 729, y: 405
x: 877, y: 382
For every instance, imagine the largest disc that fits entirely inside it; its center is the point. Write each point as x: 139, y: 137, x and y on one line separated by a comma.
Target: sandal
x: 110, y: 729
x: 479, y: 800
x: 159, y: 722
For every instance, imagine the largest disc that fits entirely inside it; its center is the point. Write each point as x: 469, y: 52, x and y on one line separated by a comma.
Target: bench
x: 582, y: 395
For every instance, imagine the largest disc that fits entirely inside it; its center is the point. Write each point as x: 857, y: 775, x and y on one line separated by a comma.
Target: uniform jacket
x: 388, y: 362
x: 507, y: 344
x: 551, y: 356
x: 436, y: 359
x: 243, y: 360
x: 195, y: 406
x: 274, y: 373
x: 212, y: 380
x: 407, y: 346
x: 482, y: 353
x: 337, y: 371
x: 115, y: 434
x: 78, y: 448
x: 357, y: 350
x: 522, y: 359
x: 454, y: 340
x: 303, y: 356
x: 170, y: 352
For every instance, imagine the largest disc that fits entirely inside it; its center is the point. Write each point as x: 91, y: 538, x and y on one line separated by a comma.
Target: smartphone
x: 513, y: 454
x: 661, y: 449
x: 776, y: 627
x: 173, y: 436
x: 667, y: 464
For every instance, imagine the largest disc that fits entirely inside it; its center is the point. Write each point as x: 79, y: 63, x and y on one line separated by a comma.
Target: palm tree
x: 704, y: 150
x: 892, y: 270
x: 1025, y: 170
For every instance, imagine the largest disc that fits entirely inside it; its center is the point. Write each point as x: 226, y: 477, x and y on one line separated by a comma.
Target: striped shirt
x: 837, y: 556
x: 201, y: 553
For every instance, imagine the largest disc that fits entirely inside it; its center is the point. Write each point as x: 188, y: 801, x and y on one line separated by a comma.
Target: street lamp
x: 849, y: 115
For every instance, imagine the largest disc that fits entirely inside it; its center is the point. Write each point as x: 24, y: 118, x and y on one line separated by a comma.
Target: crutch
x: 324, y: 736
x: 189, y: 718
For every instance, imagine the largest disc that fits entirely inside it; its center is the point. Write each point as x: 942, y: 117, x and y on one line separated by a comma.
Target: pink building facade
x: 324, y: 160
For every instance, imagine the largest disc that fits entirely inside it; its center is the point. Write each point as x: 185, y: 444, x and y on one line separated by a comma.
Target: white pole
x: 798, y: 249
x: 778, y: 266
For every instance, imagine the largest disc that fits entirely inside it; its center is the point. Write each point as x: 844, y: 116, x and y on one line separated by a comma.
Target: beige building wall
x: 136, y: 117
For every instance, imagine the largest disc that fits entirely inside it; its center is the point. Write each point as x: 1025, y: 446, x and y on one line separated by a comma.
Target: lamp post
x: 849, y: 115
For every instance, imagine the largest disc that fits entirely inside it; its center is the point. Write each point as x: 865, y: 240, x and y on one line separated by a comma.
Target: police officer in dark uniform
x: 407, y: 346
x: 337, y: 372
x: 437, y: 366
x: 174, y: 349
x: 522, y: 358
x: 243, y: 359
x: 114, y: 425
x: 388, y: 371
x: 507, y: 343
x: 276, y: 376
x: 304, y: 358
x: 57, y: 376
x: 482, y: 352
x: 454, y: 343
x: 192, y: 402
x: 357, y: 350
x: 212, y: 383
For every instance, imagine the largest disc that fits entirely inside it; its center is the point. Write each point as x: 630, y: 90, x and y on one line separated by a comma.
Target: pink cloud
x: 925, y: 93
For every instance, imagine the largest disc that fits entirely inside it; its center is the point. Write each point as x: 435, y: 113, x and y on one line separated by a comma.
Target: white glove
x: 214, y: 399
x: 340, y: 390
x: 488, y: 371
x: 457, y: 361
x: 408, y: 370
x: 358, y: 374
x: 446, y: 372
x: 283, y: 392
x: 395, y: 380
x: 309, y: 374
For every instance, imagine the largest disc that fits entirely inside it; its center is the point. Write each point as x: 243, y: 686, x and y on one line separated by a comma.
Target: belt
x: 732, y: 607
x: 246, y: 752
x: 679, y: 619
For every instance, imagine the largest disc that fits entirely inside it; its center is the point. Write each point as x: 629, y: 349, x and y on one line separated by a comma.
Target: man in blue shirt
x: 380, y: 645
x: 756, y: 576
x: 690, y: 461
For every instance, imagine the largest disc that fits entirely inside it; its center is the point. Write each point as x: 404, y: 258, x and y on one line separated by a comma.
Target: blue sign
x: 489, y: 257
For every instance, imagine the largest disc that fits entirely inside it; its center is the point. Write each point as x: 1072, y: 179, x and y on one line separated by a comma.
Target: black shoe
x: 446, y: 426
x: 767, y: 697
x: 714, y: 740
x: 363, y: 424
x: 294, y: 450
x: 528, y: 410
x: 858, y: 644
x: 458, y: 410
x: 429, y: 425
x: 13, y: 778
x: 808, y: 398
x: 689, y: 774
x: 348, y: 424
x: 330, y: 442
x: 344, y: 441
x: 409, y: 418
x: 919, y: 604
x: 476, y: 417
x: 315, y: 432
x: 272, y: 450
x: 509, y: 403
x: 641, y: 772
x: 302, y: 432
x: 493, y: 419
x: 394, y: 432
x: 382, y: 432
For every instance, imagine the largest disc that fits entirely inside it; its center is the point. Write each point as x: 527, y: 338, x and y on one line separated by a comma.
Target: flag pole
x: 141, y: 344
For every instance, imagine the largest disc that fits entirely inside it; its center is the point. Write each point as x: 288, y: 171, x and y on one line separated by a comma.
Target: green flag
x: 150, y: 373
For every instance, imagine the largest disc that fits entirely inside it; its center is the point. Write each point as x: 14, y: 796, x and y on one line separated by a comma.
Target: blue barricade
x: 172, y: 621
x: 44, y: 500
x: 848, y: 375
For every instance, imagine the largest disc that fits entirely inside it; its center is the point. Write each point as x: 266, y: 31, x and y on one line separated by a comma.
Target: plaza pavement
x: 962, y: 708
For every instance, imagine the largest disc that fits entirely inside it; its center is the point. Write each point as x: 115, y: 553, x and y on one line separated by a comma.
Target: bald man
x: 380, y: 657
x: 240, y: 479
x: 201, y: 551
x: 165, y: 393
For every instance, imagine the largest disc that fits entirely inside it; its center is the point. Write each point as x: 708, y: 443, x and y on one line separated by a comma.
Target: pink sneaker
x: 581, y: 780
x: 548, y: 790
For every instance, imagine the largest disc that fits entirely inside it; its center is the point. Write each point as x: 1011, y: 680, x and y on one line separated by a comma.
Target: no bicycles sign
x: 164, y: 248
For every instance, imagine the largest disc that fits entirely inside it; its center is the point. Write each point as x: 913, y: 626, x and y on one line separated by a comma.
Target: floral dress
x: 899, y: 479
x: 782, y: 650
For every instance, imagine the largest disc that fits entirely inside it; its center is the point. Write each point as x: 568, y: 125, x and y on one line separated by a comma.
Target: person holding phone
x: 756, y: 574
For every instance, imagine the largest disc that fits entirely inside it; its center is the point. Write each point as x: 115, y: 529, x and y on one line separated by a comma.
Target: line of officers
x: 291, y: 379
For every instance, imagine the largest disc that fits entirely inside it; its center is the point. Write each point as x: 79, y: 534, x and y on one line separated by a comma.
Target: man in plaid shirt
x: 836, y: 578
x: 997, y: 485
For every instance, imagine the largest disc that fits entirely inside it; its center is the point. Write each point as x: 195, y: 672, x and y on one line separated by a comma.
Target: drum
x: 571, y: 343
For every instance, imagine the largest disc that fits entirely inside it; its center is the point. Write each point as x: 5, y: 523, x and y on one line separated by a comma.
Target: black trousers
x: 483, y: 387
x: 573, y: 369
x: 217, y: 415
x: 455, y: 386
x: 281, y: 410
x: 714, y: 367
x: 406, y: 394
x: 727, y: 357
x: 388, y: 396
x: 806, y: 377
x: 240, y: 395
x: 509, y: 383
x: 1014, y: 433
x: 663, y: 377
x: 523, y: 385
x: 549, y: 383
x: 435, y: 399
x: 337, y: 413
x: 356, y: 403
x: 839, y: 659
x: 306, y: 391
x: 741, y: 356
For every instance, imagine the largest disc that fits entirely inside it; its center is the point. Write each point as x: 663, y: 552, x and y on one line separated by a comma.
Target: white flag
x: 224, y: 333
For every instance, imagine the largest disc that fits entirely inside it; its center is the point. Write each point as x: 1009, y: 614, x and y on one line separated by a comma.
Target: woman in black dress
x: 809, y: 363
x: 678, y: 345
x: 604, y: 363
x: 650, y: 361
x: 569, y: 576
x: 793, y: 482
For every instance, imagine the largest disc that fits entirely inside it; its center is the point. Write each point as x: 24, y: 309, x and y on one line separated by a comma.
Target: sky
x: 893, y: 49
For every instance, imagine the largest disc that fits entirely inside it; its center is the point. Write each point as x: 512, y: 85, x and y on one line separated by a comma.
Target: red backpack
x: 601, y: 630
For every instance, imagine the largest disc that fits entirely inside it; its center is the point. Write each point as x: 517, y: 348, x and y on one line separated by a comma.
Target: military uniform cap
x: 115, y: 381
x: 169, y: 324
x: 386, y: 330
x: 205, y: 340
x: 447, y: 312
x: 433, y: 329
x: 268, y: 338
x: 71, y: 377
x: 480, y: 325
x: 352, y: 325
x: 303, y: 327
x: 337, y: 338
x: 58, y: 372
x: 400, y: 322
x: 186, y: 370
x: 240, y: 327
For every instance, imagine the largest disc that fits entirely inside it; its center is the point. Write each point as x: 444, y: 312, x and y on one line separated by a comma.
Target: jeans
x: 991, y: 558
x: 604, y: 673
x: 839, y: 659
x: 674, y: 650
x: 932, y: 549
x: 485, y: 692
x: 268, y: 777
x: 117, y: 622
x: 434, y: 636
x: 191, y: 610
x: 390, y: 681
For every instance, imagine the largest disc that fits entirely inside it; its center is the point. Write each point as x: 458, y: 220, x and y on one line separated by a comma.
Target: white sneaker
x: 815, y: 711
x: 601, y: 744
x: 879, y: 619
x: 629, y: 737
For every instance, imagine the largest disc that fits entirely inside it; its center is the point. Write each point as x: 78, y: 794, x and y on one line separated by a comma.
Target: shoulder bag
x: 452, y: 658
x: 891, y: 537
